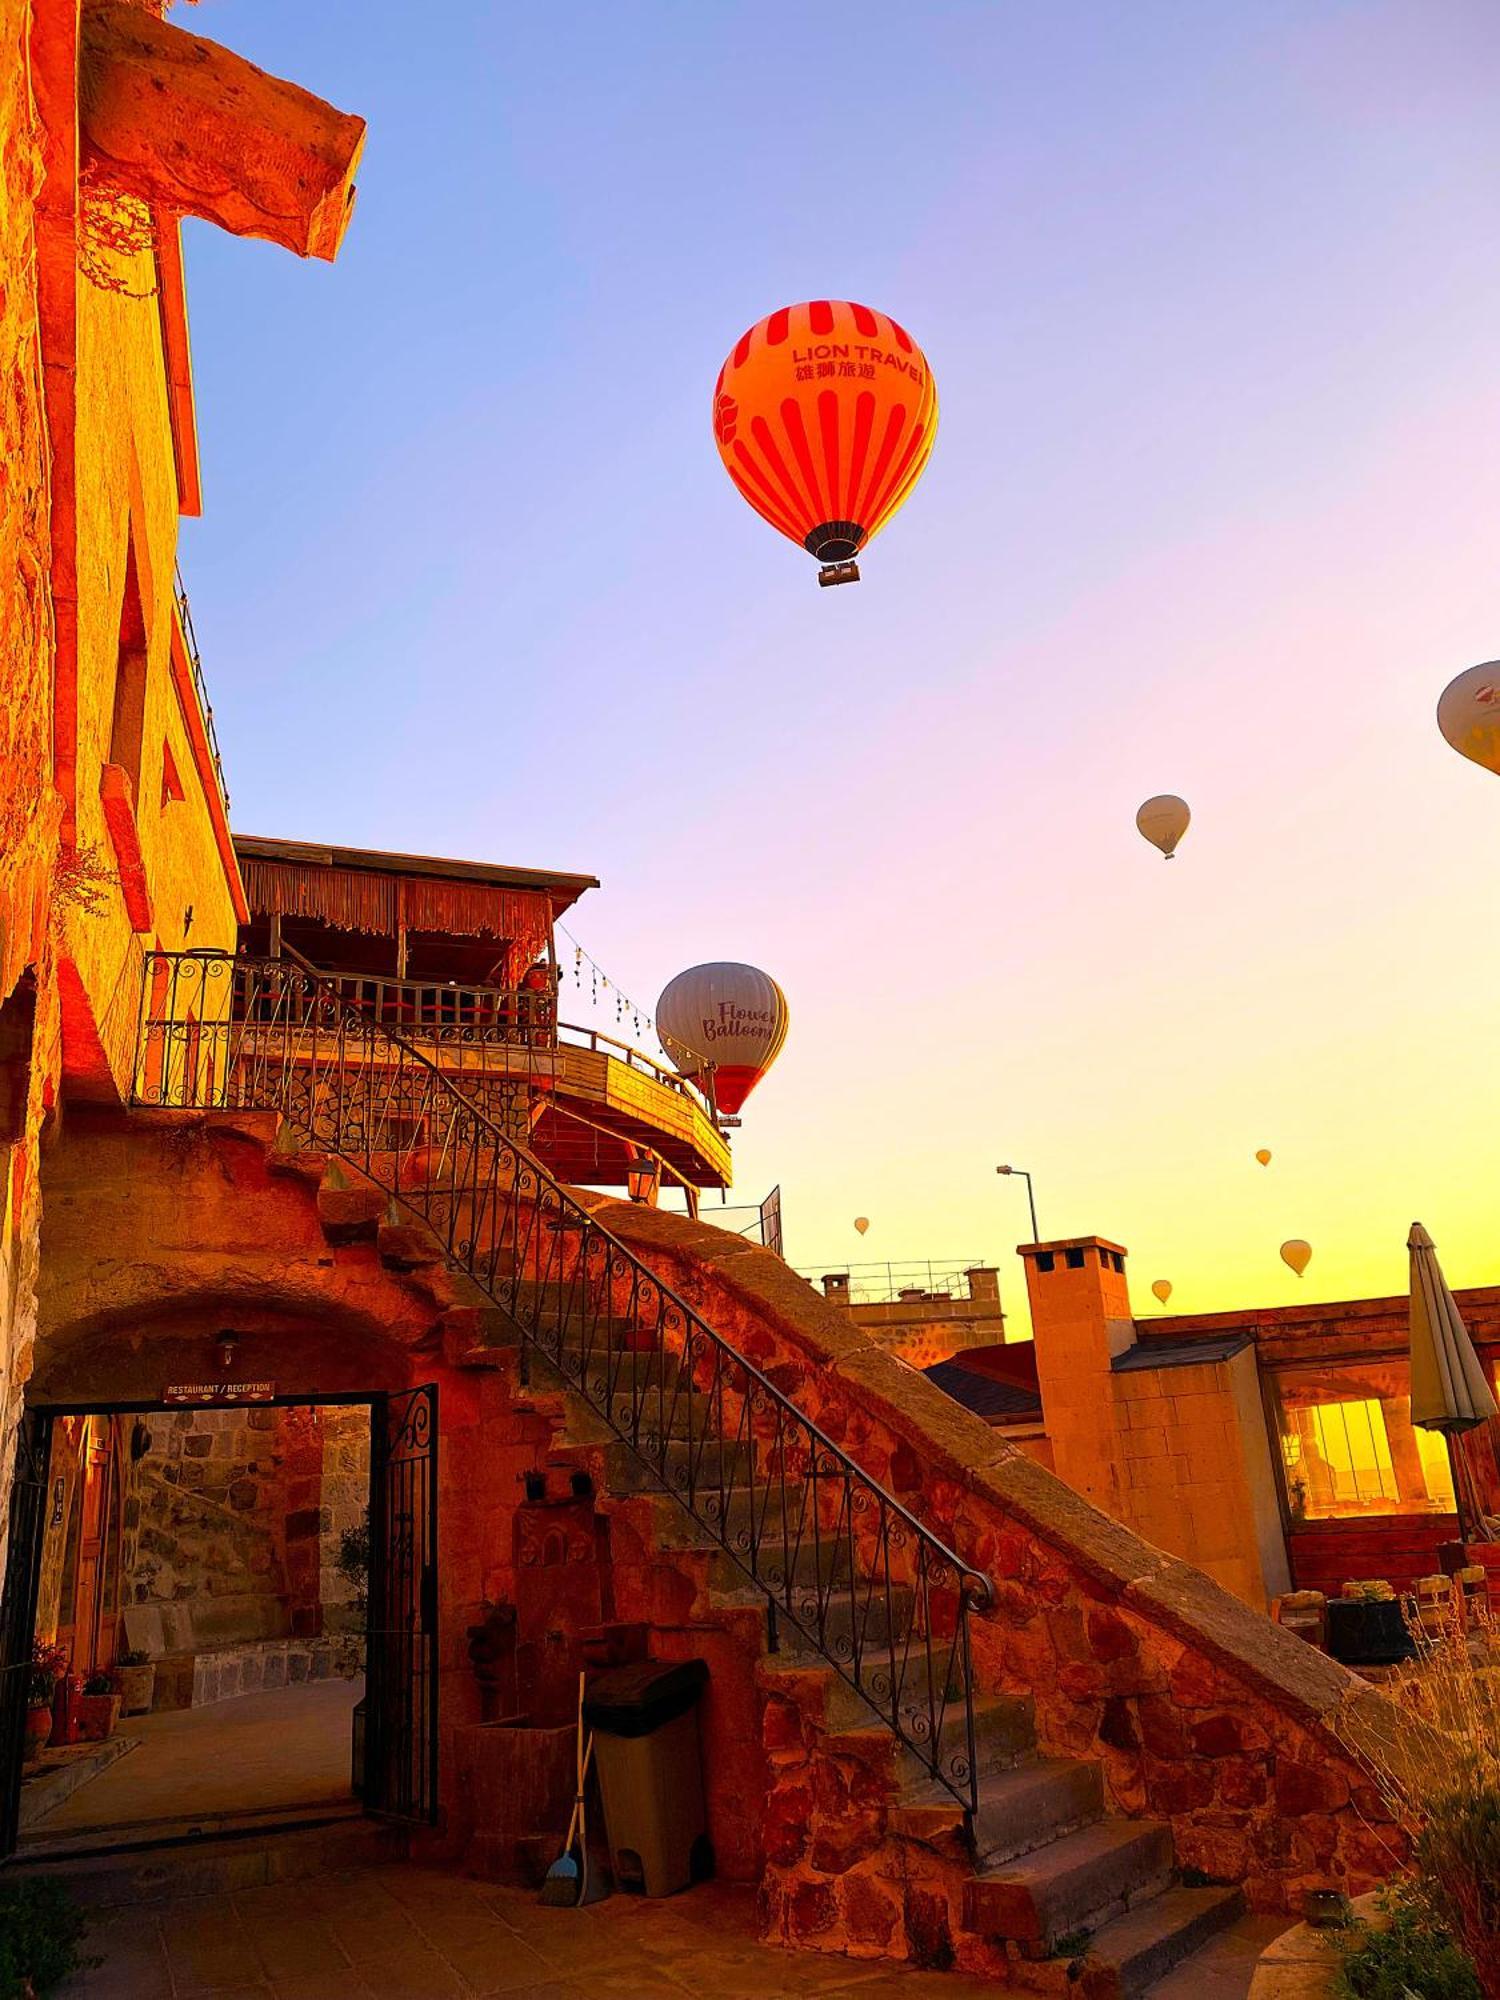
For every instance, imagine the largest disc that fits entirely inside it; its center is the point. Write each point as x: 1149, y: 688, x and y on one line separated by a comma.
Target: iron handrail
x: 200, y: 686
x: 880, y: 1597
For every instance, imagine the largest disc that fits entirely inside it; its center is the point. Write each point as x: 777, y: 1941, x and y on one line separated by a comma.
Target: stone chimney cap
x: 1072, y: 1243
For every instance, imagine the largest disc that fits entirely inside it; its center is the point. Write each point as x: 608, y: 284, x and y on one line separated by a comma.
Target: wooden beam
x: 185, y: 125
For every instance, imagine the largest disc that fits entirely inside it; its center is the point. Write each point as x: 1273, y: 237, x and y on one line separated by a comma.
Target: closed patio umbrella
x: 1449, y: 1392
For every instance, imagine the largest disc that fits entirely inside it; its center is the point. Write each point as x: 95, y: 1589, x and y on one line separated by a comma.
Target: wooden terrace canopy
x: 360, y: 890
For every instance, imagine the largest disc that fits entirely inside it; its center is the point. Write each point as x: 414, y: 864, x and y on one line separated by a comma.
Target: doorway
x: 240, y: 1595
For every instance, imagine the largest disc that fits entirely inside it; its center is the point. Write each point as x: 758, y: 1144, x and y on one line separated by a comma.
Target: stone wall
x: 1200, y: 1712
x: 28, y: 812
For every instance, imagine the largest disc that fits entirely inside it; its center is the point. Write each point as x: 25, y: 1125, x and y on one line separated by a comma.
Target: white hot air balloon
x: 1468, y: 714
x: 861, y: 1223
x: 731, y: 1018
x: 1163, y: 821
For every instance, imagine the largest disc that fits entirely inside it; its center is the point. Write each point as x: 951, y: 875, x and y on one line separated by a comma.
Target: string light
x: 600, y: 982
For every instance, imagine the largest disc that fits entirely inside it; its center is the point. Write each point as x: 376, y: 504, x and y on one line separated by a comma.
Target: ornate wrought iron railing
x: 465, y: 1021
x: 854, y: 1574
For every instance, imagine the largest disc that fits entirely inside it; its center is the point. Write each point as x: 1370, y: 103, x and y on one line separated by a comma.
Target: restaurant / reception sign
x: 220, y: 1392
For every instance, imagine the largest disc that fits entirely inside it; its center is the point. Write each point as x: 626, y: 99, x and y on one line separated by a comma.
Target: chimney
x: 836, y: 1287
x: 984, y: 1284
x: 1080, y: 1321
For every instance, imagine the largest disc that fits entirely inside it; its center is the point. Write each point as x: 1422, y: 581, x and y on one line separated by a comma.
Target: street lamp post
x: 1036, y: 1234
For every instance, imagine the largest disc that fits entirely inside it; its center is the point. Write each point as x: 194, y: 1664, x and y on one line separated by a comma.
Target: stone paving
x: 289, y: 1748
x: 412, y: 1933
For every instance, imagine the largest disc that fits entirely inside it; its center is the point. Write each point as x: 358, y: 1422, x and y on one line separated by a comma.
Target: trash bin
x: 650, y: 1773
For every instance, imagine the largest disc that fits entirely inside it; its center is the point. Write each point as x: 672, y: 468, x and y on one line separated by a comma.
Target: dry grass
x: 1451, y: 1791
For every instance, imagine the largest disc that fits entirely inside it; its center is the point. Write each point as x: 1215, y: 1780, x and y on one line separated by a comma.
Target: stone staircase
x: 1056, y: 1894
x: 864, y: 1852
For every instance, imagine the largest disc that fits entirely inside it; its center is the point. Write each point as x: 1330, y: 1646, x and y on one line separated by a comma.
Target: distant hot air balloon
x: 1163, y: 821
x: 730, y: 1017
x: 824, y: 415
x: 1297, y: 1254
x: 1468, y: 714
x: 1162, y: 1287
x: 861, y: 1223
x: 1264, y: 1156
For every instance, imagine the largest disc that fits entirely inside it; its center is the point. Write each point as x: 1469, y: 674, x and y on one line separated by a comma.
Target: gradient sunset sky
x: 1211, y: 295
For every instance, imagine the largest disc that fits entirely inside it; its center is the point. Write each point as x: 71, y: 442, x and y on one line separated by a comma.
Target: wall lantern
x: 643, y: 1179
x: 228, y: 1341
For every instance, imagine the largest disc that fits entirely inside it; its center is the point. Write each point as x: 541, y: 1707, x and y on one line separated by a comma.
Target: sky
x: 1210, y: 295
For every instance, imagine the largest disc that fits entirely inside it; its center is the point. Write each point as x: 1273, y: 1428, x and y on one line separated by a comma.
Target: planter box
x: 137, y: 1688
x: 95, y: 1716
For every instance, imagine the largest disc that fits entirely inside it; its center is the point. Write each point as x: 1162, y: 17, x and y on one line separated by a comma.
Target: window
x: 17, y: 1021
x: 1349, y: 1446
x: 127, y: 724
x: 172, y: 792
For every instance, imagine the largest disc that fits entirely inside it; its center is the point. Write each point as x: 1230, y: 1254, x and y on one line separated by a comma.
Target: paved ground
x: 408, y: 1933
x: 260, y: 1751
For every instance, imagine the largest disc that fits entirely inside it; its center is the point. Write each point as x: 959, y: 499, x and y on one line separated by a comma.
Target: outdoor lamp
x: 1030, y: 1197
x: 228, y: 1341
x: 643, y: 1178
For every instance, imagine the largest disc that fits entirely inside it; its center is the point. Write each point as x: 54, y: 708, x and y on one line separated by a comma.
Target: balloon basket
x: 838, y: 572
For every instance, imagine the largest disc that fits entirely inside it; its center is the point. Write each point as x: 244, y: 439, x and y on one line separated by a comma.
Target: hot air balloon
x: 1163, y: 821
x: 861, y: 1223
x: 824, y: 415
x: 1162, y: 1287
x: 1296, y: 1254
x: 1468, y: 714
x: 1264, y: 1156
x: 725, y: 1017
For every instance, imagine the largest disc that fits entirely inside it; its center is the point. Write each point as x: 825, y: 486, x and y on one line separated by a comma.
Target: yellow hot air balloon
x: 861, y: 1223
x: 1468, y: 713
x: 1296, y: 1254
x: 1264, y: 1156
x: 1162, y: 1287
x: 1163, y: 821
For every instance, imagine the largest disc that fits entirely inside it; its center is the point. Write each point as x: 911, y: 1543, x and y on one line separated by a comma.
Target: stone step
x: 214, y: 1861
x: 645, y: 1412
x: 1126, y: 1958
x: 1004, y: 1725
x: 710, y: 1469
x: 1077, y: 1883
x: 1022, y: 1807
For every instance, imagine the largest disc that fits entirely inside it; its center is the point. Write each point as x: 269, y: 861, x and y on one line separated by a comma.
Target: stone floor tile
x: 415, y: 1972
x: 300, y: 1948
x: 1223, y: 1969
x: 497, y: 1963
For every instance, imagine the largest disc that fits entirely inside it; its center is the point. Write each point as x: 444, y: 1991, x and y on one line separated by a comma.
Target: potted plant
x: 98, y: 1708
x: 136, y: 1674
x: 48, y: 1663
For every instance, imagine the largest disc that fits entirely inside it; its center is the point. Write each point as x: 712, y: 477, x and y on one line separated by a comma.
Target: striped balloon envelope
x: 825, y: 415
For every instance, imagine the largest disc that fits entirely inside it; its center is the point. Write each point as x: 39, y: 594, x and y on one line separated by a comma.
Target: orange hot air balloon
x: 1162, y: 1289
x: 824, y: 415
x: 731, y: 1018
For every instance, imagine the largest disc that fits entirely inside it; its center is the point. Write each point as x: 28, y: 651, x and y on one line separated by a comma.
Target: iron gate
x: 400, y: 1778
x: 23, y: 1567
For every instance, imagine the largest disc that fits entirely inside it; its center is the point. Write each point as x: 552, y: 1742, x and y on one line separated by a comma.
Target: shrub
x: 1411, y: 1954
x: 40, y: 1932
x: 353, y: 1560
